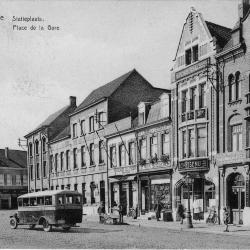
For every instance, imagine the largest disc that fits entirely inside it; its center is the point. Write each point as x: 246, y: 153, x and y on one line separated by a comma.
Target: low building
x: 139, y: 164
x: 13, y: 176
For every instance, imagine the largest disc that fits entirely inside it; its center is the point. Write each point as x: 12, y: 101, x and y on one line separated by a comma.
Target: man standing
x: 101, y: 212
x: 226, y: 218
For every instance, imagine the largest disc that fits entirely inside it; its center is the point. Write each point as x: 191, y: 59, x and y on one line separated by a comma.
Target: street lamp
x: 188, y: 181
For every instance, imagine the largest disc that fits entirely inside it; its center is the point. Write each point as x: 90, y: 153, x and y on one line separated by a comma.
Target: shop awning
x: 122, y: 178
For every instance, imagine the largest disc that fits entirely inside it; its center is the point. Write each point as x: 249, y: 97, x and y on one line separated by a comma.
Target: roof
x: 222, y: 34
x: 47, y: 193
x: 16, y: 158
x: 104, y: 91
x: 63, y: 134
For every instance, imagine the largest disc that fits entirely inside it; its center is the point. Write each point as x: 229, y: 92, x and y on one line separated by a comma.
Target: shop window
x: 143, y: 149
x: 30, y: 150
x: 209, y: 200
x: 184, y: 101
x: 122, y: 155
x: 74, y: 130
x: 101, y: 152
x: 191, y: 143
x: 153, y: 146
x: 37, y: 171
x: 113, y: 156
x: 83, y: 156
x: 237, y: 86
x: 165, y: 144
x: 44, y: 169
x: 75, y: 158
x: 131, y: 148
x: 84, y: 200
x: 202, y: 95
x: 91, y: 124
x: 202, y: 141
x: 184, y: 144
x: 92, y: 155
x: 83, y: 127
x: 192, y: 98
x: 62, y: 160
x: 67, y: 160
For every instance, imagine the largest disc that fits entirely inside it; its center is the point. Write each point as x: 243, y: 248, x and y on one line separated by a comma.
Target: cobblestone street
x: 91, y: 234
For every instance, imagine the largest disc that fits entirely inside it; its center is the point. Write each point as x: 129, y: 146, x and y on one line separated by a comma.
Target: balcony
x: 190, y: 115
x: 200, y: 113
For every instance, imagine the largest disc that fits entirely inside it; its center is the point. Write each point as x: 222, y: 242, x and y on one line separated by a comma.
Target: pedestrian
x: 197, y: 209
x: 101, y: 212
x: 226, y: 218
x: 181, y: 212
x: 120, y: 209
x: 157, y: 209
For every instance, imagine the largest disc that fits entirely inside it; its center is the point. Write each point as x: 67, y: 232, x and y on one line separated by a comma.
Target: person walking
x: 157, y: 209
x: 101, y: 211
x: 181, y: 212
x: 120, y: 209
x: 226, y: 219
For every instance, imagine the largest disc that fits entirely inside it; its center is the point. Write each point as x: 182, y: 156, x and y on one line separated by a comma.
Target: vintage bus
x: 59, y: 208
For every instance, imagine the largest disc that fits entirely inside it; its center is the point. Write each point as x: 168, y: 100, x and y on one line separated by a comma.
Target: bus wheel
x: 13, y: 223
x: 46, y: 226
x: 66, y: 228
x: 32, y: 226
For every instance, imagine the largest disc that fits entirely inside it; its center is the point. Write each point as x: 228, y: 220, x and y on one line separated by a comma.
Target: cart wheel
x: 32, y: 226
x: 13, y: 223
x: 46, y: 226
x: 66, y: 228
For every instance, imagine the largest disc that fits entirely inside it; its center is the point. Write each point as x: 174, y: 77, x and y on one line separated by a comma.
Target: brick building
x: 139, y: 164
x: 194, y: 112
x: 78, y: 154
x: 233, y: 107
x: 13, y: 176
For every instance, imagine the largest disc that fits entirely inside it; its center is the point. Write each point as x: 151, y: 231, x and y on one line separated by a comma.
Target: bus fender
x: 40, y: 222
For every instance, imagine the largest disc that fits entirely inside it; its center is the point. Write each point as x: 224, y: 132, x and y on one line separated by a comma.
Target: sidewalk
x: 199, y: 227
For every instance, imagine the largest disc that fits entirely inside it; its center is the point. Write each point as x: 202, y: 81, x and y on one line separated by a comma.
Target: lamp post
x: 188, y: 180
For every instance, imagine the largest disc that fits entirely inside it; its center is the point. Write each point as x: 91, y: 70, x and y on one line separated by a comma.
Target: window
x: 74, y: 130
x: 37, y: 147
x: 40, y: 201
x: 84, y: 200
x: 184, y: 101
x: 231, y: 85
x: 153, y: 146
x: 192, y: 98
x: 31, y: 172
x: 188, y: 56
x: 101, y: 152
x: 37, y: 171
x: 237, y: 86
x: 67, y: 160
x: 48, y: 200
x: 143, y: 148
x: 131, y: 148
x: 44, y: 144
x: 191, y: 143
x: 52, y: 188
x: 100, y: 120
x: 5, y: 179
x: 91, y: 124
x: 62, y: 160
x: 75, y: 187
x: 202, y: 141
x: 202, y: 95
x: 83, y: 127
x: 62, y: 187
x: 75, y: 157
x: 184, y: 144
x: 166, y: 144
x: 195, y: 53
x: 68, y: 186
x: 51, y: 163
x: 13, y: 180
x: 92, y: 192
x: 44, y: 169
x: 122, y: 155
x: 83, y: 156
x: 92, y: 154
x: 30, y: 150
x: 236, y: 137
x: 113, y: 156
x: 141, y: 118
x: 56, y: 162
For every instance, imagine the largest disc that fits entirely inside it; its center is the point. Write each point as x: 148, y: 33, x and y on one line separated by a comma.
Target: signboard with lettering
x: 193, y: 165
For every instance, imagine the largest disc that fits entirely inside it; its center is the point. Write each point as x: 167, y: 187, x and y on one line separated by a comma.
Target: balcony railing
x: 190, y: 115
x: 194, y: 114
x: 200, y: 113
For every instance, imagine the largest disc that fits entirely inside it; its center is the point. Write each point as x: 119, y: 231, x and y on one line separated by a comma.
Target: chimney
x: 72, y: 101
x: 7, y: 153
x: 243, y: 8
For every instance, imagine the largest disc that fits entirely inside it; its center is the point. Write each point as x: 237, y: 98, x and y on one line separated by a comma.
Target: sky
x: 97, y: 41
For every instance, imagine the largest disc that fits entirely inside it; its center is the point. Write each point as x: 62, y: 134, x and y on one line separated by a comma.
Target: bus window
x: 40, y: 201
x: 69, y: 199
x: 20, y: 202
x: 33, y: 201
x: 60, y: 200
x: 26, y: 202
x: 77, y: 199
x: 48, y: 200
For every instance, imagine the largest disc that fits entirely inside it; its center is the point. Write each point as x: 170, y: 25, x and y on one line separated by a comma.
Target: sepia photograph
x: 125, y: 124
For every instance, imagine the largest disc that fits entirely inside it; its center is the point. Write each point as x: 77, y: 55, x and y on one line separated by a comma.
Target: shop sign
x: 123, y: 170
x: 193, y: 165
x: 191, y: 69
x: 158, y: 165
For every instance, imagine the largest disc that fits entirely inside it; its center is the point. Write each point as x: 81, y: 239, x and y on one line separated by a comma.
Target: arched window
x: 37, y: 147
x: 230, y: 84
x: 30, y: 149
x: 44, y: 144
x: 237, y: 86
x: 235, y: 133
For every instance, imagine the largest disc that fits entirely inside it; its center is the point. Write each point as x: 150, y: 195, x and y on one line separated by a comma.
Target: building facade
x: 233, y: 157
x: 194, y: 113
x: 13, y: 177
x: 139, y: 164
